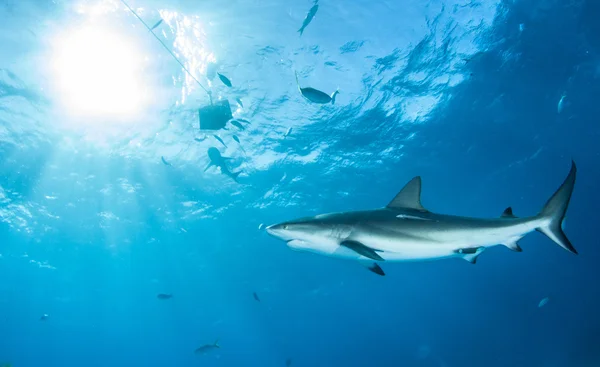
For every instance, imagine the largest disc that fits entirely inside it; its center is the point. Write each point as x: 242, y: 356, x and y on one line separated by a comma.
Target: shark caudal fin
x: 554, y: 212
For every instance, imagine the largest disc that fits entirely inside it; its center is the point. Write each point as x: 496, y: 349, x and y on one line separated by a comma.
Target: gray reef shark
x: 405, y: 231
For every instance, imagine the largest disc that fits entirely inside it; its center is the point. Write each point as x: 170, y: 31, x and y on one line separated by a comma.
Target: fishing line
x: 168, y: 50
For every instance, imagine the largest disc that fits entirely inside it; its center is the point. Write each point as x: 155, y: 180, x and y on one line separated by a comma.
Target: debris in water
x: 224, y: 79
x: 239, y: 101
x: 256, y: 296
x: 165, y: 161
x: 287, y: 133
x: 164, y: 296
x: 561, y: 103
x: 543, y: 302
x: 44, y: 317
x: 261, y: 226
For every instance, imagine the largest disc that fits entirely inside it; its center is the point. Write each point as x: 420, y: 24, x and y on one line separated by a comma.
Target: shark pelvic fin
x: 361, y: 249
x: 513, y: 245
x: 409, y: 197
x: 470, y: 254
x: 508, y: 213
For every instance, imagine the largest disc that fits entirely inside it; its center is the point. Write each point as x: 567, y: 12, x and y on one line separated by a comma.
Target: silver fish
x: 224, y: 79
x: 315, y: 95
x: 309, y: 17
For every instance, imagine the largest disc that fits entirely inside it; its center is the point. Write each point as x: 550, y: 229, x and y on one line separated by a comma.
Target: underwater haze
x: 125, y: 240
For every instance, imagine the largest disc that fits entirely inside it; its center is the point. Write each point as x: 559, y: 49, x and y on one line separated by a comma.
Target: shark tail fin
x: 235, y: 175
x: 217, y: 344
x: 553, y: 213
x: 337, y: 91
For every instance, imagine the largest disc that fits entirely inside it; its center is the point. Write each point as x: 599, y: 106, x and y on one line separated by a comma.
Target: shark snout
x: 279, y: 230
x: 274, y: 229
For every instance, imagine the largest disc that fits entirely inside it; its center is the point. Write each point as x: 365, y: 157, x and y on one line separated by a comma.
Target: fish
x: 543, y: 302
x: 164, y: 296
x: 216, y: 159
x: 44, y: 317
x: 561, y: 104
x: 165, y: 161
x: 237, y: 124
x: 309, y: 17
x: 243, y: 120
x: 200, y: 140
x: 224, y: 79
x: 256, y: 296
x: 207, y: 347
x: 288, y: 362
x: 156, y: 25
x: 287, y: 133
x: 220, y: 140
x: 235, y: 137
x: 315, y: 95
x: 239, y: 101
x: 404, y: 230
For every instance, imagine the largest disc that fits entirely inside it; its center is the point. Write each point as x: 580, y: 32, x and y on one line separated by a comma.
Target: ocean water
x: 487, y: 100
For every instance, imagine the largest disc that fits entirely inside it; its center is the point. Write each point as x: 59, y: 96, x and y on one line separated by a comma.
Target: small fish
x: 220, y: 140
x: 287, y: 133
x: 561, y: 103
x: 200, y: 140
x: 239, y: 101
x: 164, y: 296
x: 165, y: 161
x: 315, y: 95
x: 521, y: 27
x: 207, y: 347
x: 156, y: 25
x: 288, y: 362
x: 309, y: 17
x: 236, y: 139
x: 224, y: 79
x: 237, y: 124
x: 256, y: 296
x: 543, y: 302
x: 243, y: 120
x: 44, y: 317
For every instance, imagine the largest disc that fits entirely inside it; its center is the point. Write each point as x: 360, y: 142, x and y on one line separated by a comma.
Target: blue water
x: 465, y: 94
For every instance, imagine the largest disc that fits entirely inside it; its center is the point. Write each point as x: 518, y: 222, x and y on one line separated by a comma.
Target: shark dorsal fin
x: 508, y: 213
x: 409, y: 197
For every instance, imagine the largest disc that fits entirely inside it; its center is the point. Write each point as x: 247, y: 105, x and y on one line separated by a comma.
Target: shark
x: 404, y: 230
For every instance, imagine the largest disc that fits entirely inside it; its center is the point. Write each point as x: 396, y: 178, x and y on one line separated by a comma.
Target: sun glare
x: 98, y: 73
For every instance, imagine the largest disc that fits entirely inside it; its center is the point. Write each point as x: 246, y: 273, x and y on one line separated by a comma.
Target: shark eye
x: 285, y: 226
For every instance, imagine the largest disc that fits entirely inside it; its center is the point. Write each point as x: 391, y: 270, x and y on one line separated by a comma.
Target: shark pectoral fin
x: 209, y: 165
x: 508, y: 213
x: 513, y: 245
x: 470, y: 253
x: 409, y: 197
x: 361, y: 249
x: 375, y: 268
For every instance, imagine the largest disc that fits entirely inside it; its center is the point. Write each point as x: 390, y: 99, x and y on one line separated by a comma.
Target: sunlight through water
x: 98, y: 72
